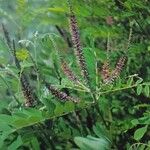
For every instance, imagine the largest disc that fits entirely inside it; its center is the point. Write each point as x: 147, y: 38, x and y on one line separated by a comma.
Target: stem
x: 84, y: 87
x: 36, y: 65
x: 79, y: 88
x: 124, y: 88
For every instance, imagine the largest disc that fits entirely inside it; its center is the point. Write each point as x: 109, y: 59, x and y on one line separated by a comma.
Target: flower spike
x: 108, y: 77
x: 77, y: 44
x: 68, y: 72
x: 60, y: 95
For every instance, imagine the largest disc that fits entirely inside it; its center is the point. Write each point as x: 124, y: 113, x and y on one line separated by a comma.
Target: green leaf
x: 18, y: 123
x: 50, y: 106
x: 35, y: 143
x: 6, y: 118
x: 59, y: 109
x: 4, y: 127
x: 130, y: 81
x: 92, y: 143
x: 139, y: 133
x: 69, y: 106
x: 34, y: 119
x: 135, y: 122
x: 139, y: 81
x: 91, y: 66
x: 16, y: 144
x: 100, y: 131
x: 148, y: 48
x: 57, y: 10
x: 32, y: 112
x: 5, y: 131
x: 139, y: 89
x: 147, y: 90
x: 26, y: 117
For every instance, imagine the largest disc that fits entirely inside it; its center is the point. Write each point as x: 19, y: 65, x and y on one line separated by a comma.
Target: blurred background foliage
x: 122, y: 117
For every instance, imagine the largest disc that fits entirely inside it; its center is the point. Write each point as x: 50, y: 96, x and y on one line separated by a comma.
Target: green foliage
x: 108, y: 116
x: 90, y: 143
x: 139, y: 133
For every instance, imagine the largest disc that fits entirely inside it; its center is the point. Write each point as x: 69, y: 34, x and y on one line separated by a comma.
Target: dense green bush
x: 92, y: 92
